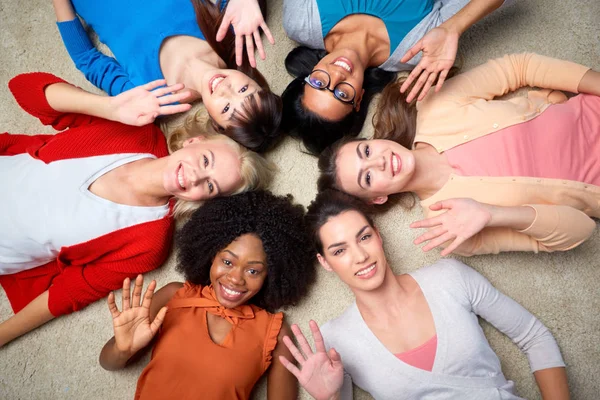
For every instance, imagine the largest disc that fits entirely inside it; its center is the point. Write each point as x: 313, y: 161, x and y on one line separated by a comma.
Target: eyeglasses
x: 343, y: 91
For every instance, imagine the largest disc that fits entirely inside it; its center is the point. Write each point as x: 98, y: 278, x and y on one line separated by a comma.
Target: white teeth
x: 216, y: 82
x: 395, y: 163
x: 231, y: 292
x: 180, y: 178
x: 366, y: 271
x: 343, y: 65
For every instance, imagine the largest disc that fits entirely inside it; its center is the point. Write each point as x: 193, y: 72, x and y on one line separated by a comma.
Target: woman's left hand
x: 463, y: 219
x: 439, y: 47
x: 246, y: 18
x: 141, y: 105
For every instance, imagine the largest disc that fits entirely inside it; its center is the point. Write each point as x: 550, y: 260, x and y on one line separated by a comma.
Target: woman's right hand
x: 322, y: 373
x: 132, y: 326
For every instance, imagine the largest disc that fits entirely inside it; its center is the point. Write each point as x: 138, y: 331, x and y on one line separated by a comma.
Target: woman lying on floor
x: 243, y: 257
x: 95, y: 204
x: 492, y: 175
x: 415, y: 335
x: 177, y: 40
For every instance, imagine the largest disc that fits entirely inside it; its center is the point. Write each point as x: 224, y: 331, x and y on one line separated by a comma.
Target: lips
x: 214, y: 82
x: 180, y: 178
x: 231, y: 294
x: 344, y: 63
x: 395, y: 164
x: 367, y: 272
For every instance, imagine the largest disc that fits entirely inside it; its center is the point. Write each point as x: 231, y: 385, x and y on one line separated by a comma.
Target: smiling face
x: 353, y: 249
x: 239, y: 270
x: 202, y: 169
x: 224, y: 91
x: 342, y: 66
x: 374, y: 169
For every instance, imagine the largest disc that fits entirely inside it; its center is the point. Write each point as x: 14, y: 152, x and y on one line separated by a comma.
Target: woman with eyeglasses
x: 414, y: 335
x: 351, y: 49
x: 182, y: 41
x: 491, y: 175
x: 97, y: 202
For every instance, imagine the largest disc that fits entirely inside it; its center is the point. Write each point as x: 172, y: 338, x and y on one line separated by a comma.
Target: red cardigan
x: 86, y: 272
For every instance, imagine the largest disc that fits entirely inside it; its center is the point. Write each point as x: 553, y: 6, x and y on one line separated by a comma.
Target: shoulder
x: 302, y: 22
x: 338, y: 328
x: 446, y: 275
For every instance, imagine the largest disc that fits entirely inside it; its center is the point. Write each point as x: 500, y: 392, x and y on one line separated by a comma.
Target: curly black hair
x: 275, y: 220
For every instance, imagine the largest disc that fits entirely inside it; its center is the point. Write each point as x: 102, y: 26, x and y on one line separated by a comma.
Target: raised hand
x: 463, y: 219
x: 246, y: 18
x: 132, y: 326
x: 439, y: 47
x: 322, y: 373
x: 141, y: 105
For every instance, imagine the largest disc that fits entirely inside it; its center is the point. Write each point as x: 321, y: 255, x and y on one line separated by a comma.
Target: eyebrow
x: 360, y: 171
x: 245, y: 98
x: 364, y: 228
x: 356, y: 236
x: 249, y: 262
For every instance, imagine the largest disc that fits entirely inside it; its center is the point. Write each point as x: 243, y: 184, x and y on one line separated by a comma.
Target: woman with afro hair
x: 243, y: 257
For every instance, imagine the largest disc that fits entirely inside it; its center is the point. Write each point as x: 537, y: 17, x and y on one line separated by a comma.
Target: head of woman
x: 375, y: 169
x: 346, y: 240
x: 252, y: 247
x: 204, y: 167
x: 238, y: 98
x: 330, y: 95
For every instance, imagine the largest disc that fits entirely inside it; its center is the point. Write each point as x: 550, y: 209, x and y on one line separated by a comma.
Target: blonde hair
x: 255, y: 170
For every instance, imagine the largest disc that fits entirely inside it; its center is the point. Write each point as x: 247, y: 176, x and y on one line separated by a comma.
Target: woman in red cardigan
x: 94, y: 204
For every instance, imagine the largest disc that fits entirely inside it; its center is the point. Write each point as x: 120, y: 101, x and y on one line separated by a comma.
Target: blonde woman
x: 95, y: 204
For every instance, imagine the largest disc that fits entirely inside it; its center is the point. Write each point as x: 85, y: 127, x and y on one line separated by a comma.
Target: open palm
x: 322, y: 373
x: 132, y: 326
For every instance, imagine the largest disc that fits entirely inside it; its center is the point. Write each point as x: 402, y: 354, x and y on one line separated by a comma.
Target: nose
x: 236, y: 277
x: 361, y: 255
x: 376, y: 163
x: 335, y: 78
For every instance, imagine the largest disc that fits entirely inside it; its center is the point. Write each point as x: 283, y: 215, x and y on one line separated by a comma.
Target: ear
x: 378, y: 200
x: 359, y: 100
x: 195, y: 139
x: 323, y: 262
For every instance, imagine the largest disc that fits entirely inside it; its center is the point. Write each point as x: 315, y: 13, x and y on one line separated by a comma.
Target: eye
x: 242, y: 90
x: 365, y: 237
x: 225, y: 109
x: 253, y: 272
x: 367, y: 150
x: 338, y: 252
x: 368, y: 178
x: 227, y: 262
x: 205, y: 161
x: 317, y: 82
x: 211, y: 187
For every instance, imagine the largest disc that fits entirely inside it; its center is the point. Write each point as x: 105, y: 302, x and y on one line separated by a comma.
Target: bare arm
x: 552, y: 383
x: 470, y: 14
x: 282, y: 384
x: 34, y: 314
x: 63, y: 10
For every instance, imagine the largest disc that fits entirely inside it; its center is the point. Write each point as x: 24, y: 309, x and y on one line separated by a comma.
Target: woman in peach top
x: 492, y: 175
x: 243, y: 257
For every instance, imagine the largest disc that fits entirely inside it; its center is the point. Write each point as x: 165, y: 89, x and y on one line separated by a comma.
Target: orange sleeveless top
x: 187, y: 364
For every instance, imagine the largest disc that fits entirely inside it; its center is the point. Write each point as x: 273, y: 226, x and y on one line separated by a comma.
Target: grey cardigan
x: 465, y: 365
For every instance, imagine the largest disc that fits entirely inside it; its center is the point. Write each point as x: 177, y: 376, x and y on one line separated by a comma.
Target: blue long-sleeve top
x: 134, y: 30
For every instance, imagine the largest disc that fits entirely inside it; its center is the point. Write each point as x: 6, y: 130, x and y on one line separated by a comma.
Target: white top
x: 48, y: 206
x: 465, y: 365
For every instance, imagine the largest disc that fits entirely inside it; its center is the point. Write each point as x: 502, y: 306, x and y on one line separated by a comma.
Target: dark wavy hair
x: 275, y: 220
x: 257, y: 128
x: 328, y: 204
x: 315, y: 132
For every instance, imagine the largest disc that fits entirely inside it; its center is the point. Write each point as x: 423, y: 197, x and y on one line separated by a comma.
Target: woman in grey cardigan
x: 416, y: 335
x: 351, y: 49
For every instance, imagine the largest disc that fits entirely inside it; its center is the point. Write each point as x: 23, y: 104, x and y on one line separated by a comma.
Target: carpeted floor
x: 60, y: 359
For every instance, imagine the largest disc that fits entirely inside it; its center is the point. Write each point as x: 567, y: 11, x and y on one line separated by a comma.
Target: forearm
x: 470, y: 14
x: 67, y: 98
x: 63, y: 10
x: 518, y: 218
x: 32, y: 316
x: 590, y: 83
x: 553, y: 383
x: 111, y: 358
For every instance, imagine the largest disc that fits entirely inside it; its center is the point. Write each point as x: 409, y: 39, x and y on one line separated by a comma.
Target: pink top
x: 561, y: 143
x: 421, y: 357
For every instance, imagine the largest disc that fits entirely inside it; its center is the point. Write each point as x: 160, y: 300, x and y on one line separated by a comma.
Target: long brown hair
x: 258, y: 127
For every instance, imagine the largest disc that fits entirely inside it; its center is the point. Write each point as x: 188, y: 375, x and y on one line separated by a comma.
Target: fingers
x: 418, y: 85
x: 428, y: 85
x: 318, y: 338
x: 427, y: 223
x: 267, y: 32
x: 174, y: 109
x: 250, y: 50
x: 414, y: 74
x: 148, y: 295
x: 334, y: 356
x: 158, y: 320
x: 441, y: 79
x: 302, y: 340
x: 173, y: 98
x: 294, y: 350
x: 222, y: 32
x: 239, y: 49
x: 125, y: 296
x: 430, y: 234
x: 453, y: 246
x: 290, y: 366
x: 259, y: 45
x: 154, y: 84
x: 412, y: 52
x: 438, y: 241
x: 137, y: 291
x: 112, y: 306
x: 161, y: 92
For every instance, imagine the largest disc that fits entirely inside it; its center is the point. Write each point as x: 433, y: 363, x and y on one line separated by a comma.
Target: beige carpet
x: 59, y: 361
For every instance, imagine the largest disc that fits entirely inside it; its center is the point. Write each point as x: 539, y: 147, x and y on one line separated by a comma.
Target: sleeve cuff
x: 544, y: 223
x: 74, y: 36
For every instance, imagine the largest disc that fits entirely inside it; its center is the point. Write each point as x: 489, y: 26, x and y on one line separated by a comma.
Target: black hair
x: 275, y: 220
x: 316, y: 132
x: 328, y: 204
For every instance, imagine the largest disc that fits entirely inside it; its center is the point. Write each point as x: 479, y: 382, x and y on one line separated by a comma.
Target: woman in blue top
x: 177, y: 40
x: 350, y: 49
